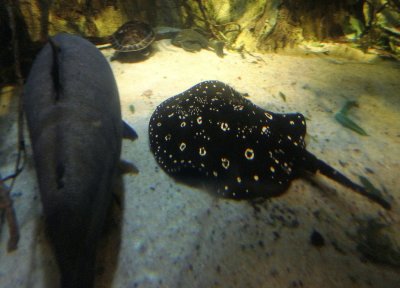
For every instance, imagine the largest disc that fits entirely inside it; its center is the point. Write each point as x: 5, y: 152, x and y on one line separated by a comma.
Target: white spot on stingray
x: 159, y: 124
x: 183, y: 124
x: 272, y: 169
x: 291, y: 122
x: 226, y: 187
x: 256, y: 178
x: 264, y: 130
x: 238, y: 107
x: 225, y: 163
x: 199, y: 120
x: 249, y: 154
x: 182, y: 146
x: 238, y: 179
x: 269, y: 116
x: 215, y: 173
x: 224, y: 126
x: 167, y: 137
x: 202, y: 151
x: 170, y: 115
x: 288, y: 137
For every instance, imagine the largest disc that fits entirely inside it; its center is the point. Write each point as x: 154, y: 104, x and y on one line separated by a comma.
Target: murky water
x: 172, y: 235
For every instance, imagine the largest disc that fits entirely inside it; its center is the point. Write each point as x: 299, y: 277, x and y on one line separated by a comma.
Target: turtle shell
x: 132, y: 36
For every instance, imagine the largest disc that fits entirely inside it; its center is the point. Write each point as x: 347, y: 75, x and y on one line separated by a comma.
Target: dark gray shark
x: 74, y: 118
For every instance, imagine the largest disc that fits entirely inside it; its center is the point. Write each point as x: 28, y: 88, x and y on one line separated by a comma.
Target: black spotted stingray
x: 210, y: 135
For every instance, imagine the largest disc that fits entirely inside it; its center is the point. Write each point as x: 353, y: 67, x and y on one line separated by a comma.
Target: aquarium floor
x: 170, y: 235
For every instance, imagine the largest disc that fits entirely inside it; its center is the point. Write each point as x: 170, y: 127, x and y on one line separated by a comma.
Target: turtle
x: 132, y: 39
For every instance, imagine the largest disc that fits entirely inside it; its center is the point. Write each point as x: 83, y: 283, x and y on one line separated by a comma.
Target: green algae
x: 345, y: 121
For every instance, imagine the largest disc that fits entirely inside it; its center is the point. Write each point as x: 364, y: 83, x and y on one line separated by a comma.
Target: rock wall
x: 258, y: 24
x: 254, y: 25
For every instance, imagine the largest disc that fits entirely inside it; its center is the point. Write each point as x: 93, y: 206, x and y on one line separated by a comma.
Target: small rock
x: 316, y: 239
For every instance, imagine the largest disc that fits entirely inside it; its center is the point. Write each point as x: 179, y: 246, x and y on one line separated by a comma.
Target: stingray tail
x: 316, y: 165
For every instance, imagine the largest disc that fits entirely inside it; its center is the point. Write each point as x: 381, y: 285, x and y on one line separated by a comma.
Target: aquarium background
x: 311, y: 57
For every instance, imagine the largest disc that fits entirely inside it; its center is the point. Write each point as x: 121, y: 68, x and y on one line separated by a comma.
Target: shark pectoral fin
x: 126, y: 167
x: 128, y: 132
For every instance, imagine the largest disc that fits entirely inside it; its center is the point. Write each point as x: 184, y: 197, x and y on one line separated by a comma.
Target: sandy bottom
x: 172, y: 235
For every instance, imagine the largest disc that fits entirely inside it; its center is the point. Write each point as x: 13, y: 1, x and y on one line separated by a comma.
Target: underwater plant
x: 345, y: 121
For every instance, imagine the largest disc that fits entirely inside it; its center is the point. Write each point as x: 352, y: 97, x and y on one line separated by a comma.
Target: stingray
x: 213, y: 137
